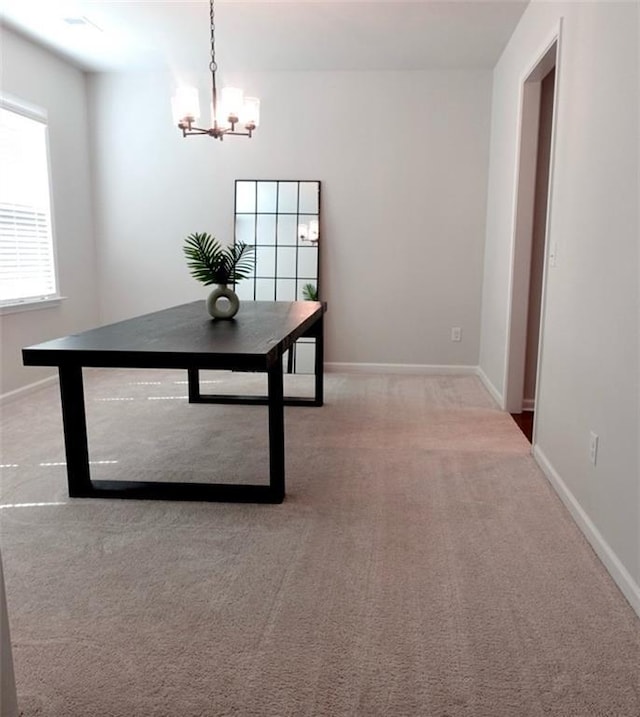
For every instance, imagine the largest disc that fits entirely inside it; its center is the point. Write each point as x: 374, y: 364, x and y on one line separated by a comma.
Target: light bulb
x: 185, y: 104
x: 251, y: 112
x: 314, y: 230
x: 231, y: 104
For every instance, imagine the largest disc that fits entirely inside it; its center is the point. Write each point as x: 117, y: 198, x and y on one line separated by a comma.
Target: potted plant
x: 212, y: 263
x: 310, y: 292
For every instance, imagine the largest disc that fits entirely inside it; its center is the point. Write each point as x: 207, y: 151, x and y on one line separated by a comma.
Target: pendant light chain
x: 244, y: 111
x: 213, y: 65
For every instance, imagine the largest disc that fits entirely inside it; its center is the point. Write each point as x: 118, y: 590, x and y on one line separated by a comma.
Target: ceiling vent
x: 81, y: 21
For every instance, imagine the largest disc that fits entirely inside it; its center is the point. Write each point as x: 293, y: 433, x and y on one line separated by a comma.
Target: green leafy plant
x: 310, y: 292
x: 212, y: 263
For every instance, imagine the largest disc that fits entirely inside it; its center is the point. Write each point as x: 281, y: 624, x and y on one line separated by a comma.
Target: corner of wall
x: 486, y: 382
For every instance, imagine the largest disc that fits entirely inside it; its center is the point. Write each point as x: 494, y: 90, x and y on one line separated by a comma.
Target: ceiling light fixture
x: 235, y: 114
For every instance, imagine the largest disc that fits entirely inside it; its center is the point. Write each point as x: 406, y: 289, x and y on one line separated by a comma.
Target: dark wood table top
x: 185, y: 337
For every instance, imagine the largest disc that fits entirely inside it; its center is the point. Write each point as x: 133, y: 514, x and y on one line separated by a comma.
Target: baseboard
x: 528, y: 404
x: 26, y: 390
x: 623, y: 579
x: 399, y: 368
x: 495, y: 394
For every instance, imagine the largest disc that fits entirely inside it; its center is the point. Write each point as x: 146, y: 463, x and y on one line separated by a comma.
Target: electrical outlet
x: 593, y: 447
x: 456, y: 333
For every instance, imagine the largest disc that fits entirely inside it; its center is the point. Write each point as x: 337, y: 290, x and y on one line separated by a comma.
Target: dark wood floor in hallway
x: 525, y: 423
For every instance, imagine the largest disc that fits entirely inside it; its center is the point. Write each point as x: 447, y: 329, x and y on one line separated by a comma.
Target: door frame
x: 546, y: 58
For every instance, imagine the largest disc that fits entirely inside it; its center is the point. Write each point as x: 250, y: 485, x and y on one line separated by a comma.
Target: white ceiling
x: 254, y: 35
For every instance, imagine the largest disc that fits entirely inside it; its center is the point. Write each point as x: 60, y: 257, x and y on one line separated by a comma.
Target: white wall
x: 403, y: 161
x: 589, y: 362
x: 40, y: 78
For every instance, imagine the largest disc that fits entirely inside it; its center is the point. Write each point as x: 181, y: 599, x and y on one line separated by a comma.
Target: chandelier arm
x: 217, y: 133
x: 188, y: 131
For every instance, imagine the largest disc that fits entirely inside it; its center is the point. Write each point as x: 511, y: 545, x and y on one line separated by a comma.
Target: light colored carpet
x: 421, y: 566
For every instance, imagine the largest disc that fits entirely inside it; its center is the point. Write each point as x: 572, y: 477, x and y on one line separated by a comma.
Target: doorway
x: 530, y: 245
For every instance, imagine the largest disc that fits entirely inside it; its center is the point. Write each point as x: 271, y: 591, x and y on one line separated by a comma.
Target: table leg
x: 276, y: 430
x: 319, y: 364
x: 291, y: 357
x: 193, y: 375
x: 75, y: 431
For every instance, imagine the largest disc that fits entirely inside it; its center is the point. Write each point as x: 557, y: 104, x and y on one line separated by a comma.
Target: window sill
x: 31, y: 305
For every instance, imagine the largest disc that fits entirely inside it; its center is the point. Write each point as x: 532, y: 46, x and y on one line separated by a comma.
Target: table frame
x: 70, y: 364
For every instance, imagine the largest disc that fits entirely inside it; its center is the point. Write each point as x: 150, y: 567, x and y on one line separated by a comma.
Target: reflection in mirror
x: 245, y: 228
x: 245, y: 197
x: 302, y: 283
x: 308, y: 229
x: 266, y: 229
x: 287, y: 229
x: 314, y: 230
x: 287, y: 262
x: 282, y: 219
x: 268, y: 197
x: 265, y: 261
x: 286, y: 289
x: 309, y: 192
x: 265, y: 289
x: 305, y: 356
x: 288, y: 197
x: 308, y: 261
x: 244, y: 290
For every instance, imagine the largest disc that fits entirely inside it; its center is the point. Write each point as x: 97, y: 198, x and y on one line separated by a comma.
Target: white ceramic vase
x: 223, y: 302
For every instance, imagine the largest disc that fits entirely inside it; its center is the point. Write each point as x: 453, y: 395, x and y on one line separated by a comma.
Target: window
x: 27, y: 265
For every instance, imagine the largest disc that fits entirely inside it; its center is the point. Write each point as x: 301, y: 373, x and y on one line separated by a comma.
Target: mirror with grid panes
x: 282, y: 219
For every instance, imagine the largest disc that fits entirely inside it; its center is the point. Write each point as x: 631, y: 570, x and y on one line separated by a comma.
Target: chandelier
x: 233, y: 114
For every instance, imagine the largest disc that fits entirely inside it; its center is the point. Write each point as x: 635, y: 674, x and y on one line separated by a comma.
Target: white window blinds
x: 27, y: 269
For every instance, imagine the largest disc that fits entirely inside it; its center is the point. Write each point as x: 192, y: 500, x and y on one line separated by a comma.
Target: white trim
x: 623, y: 579
x: 21, y: 107
x: 36, y: 113
x: 554, y: 37
x: 11, y: 396
x: 512, y: 239
x: 550, y: 247
x: 528, y: 404
x: 31, y: 304
x: 399, y: 368
x: 486, y: 382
